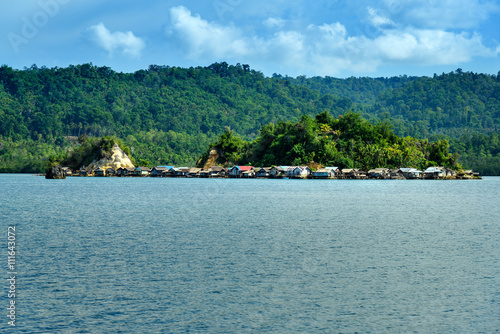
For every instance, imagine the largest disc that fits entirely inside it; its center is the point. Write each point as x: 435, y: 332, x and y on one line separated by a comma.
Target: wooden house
x: 194, y: 172
x: 179, y: 171
x: 182, y: 172
x: 450, y: 173
x: 289, y: 171
x: 410, y: 173
x: 217, y: 171
x: 348, y: 173
x: 379, y: 173
x: 129, y: 171
x: 263, y: 172
x: 110, y: 172
x: 237, y: 171
x: 434, y: 173
x: 125, y: 171
x: 353, y: 173
x: 205, y: 173
x: 100, y: 172
x: 278, y: 171
x: 335, y: 170
x: 248, y: 173
x: 214, y: 171
x: 362, y: 175
x: 142, y: 171
x: 298, y: 172
x: 396, y: 174
x: 160, y: 171
x: 323, y: 173
x: 173, y: 170
x: 156, y: 172
x: 167, y: 173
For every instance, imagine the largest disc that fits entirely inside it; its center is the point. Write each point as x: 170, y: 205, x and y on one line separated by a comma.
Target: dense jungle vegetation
x: 170, y: 115
x: 347, y: 142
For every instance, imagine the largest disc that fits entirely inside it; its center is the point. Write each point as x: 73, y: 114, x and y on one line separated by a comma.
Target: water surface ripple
x: 145, y: 255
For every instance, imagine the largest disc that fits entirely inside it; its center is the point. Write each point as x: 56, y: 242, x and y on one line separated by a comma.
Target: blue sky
x: 314, y: 37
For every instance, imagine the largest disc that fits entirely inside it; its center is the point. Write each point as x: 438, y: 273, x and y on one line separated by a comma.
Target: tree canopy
x: 169, y: 115
x: 347, y: 142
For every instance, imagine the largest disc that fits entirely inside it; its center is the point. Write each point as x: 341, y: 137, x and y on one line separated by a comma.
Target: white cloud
x: 285, y: 48
x: 377, y: 19
x: 326, y: 49
x: 117, y: 41
x: 430, y: 47
x: 204, y: 39
x: 274, y: 22
x: 335, y: 30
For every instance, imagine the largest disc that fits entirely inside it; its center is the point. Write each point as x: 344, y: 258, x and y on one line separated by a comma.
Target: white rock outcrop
x: 118, y: 159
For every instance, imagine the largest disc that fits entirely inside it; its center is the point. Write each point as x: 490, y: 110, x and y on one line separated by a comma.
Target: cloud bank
x: 326, y: 49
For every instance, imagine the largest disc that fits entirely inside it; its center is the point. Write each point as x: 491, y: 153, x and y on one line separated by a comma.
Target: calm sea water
x: 144, y: 255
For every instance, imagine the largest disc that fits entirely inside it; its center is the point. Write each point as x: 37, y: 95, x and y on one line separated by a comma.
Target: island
x: 324, y: 147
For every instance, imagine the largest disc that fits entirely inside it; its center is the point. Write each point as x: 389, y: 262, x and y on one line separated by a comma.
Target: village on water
x: 283, y: 172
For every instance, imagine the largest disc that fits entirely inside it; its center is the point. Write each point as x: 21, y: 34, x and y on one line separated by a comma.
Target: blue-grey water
x: 145, y: 255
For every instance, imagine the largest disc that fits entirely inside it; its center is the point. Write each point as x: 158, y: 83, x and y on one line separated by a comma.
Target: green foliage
x: 358, y: 90
x: 144, y: 163
x: 230, y: 147
x: 479, y: 150
x: 169, y: 115
x: 347, y: 142
x: 27, y: 155
x: 445, y: 104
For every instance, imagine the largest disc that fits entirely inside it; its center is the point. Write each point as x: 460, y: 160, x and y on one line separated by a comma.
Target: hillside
x: 169, y: 115
x: 362, y: 90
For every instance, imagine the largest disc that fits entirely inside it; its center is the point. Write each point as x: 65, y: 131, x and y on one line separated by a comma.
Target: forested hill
x: 447, y: 104
x: 169, y: 115
x: 165, y: 114
x: 362, y: 90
